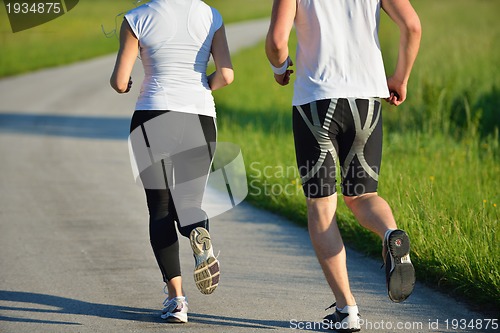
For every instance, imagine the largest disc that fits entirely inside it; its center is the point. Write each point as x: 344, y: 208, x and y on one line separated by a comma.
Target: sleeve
x: 216, y: 20
x: 134, y: 19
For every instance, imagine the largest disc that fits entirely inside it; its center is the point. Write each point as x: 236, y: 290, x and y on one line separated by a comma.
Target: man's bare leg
x: 329, y: 247
x: 372, y: 212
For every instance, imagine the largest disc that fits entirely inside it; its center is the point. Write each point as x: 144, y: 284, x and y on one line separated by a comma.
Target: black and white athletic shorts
x: 347, y: 131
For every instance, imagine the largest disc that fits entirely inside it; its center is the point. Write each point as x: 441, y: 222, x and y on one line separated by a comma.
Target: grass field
x: 441, y: 164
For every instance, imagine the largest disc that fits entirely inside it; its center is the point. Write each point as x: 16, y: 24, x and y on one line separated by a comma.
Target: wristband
x: 280, y: 70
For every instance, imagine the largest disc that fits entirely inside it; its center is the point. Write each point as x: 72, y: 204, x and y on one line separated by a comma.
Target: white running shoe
x: 175, y: 310
x: 207, y: 270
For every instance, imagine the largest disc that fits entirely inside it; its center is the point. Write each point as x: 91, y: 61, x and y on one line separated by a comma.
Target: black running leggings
x: 163, y: 215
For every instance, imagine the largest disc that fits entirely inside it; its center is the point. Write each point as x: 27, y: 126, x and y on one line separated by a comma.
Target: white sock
x: 388, y: 232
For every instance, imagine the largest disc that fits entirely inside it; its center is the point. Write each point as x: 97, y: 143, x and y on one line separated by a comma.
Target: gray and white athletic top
x: 175, y: 38
x: 338, y: 52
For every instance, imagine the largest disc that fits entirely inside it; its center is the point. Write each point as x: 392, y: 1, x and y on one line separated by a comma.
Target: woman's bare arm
x: 129, y: 45
x: 224, y: 73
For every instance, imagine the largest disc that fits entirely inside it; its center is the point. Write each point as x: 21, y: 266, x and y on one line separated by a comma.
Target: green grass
x: 457, y: 84
x: 79, y: 35
x: 74, y: 36
x: 440, y: 169
x: 241, y: 10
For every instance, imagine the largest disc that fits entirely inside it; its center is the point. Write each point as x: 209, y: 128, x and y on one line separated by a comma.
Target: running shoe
x: 399, y: 271
x: 207, y: 270
x: 345, y: 320
x: 175, y: 310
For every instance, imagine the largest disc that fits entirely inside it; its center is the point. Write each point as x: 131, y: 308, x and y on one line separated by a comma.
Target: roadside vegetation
x: 441, y: 164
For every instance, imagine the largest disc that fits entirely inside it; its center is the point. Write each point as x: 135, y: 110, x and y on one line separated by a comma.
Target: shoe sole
x: 175, y: 320
x: 401, y: 280
x: 200, y: 240
x: 206, y: 273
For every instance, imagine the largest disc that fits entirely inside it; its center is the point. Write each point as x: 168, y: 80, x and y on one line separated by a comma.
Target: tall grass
x: 440, y: 170
x: 456, y: 87
x: 451, y: 186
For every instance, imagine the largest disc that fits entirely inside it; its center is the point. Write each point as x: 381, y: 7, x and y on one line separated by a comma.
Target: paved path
x: 74, y: 246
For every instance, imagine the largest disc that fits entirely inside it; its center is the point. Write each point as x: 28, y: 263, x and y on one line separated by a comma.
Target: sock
x: 388, y: 232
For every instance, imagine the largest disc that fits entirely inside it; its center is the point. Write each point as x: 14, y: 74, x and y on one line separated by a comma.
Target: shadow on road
x: 88, y: 127
x: 62, y: 305
x: 213, y: 320
x: 29, y: 304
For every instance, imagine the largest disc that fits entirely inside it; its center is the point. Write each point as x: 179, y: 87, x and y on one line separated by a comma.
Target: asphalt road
x: 75, y: 254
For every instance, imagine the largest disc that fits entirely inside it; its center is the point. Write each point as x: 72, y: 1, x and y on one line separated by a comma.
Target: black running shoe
x: 399, y: 271
x: 346, y: 320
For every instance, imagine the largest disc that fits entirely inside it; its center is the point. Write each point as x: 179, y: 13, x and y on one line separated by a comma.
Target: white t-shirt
x: 175, y: 38
x: 338, y: 51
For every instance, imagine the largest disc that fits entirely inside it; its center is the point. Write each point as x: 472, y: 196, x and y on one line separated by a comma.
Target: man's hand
x: 397, y: 90
x: 284, y: 79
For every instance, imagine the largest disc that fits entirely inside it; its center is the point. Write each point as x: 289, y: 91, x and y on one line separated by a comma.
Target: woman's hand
x: 129, y: 85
